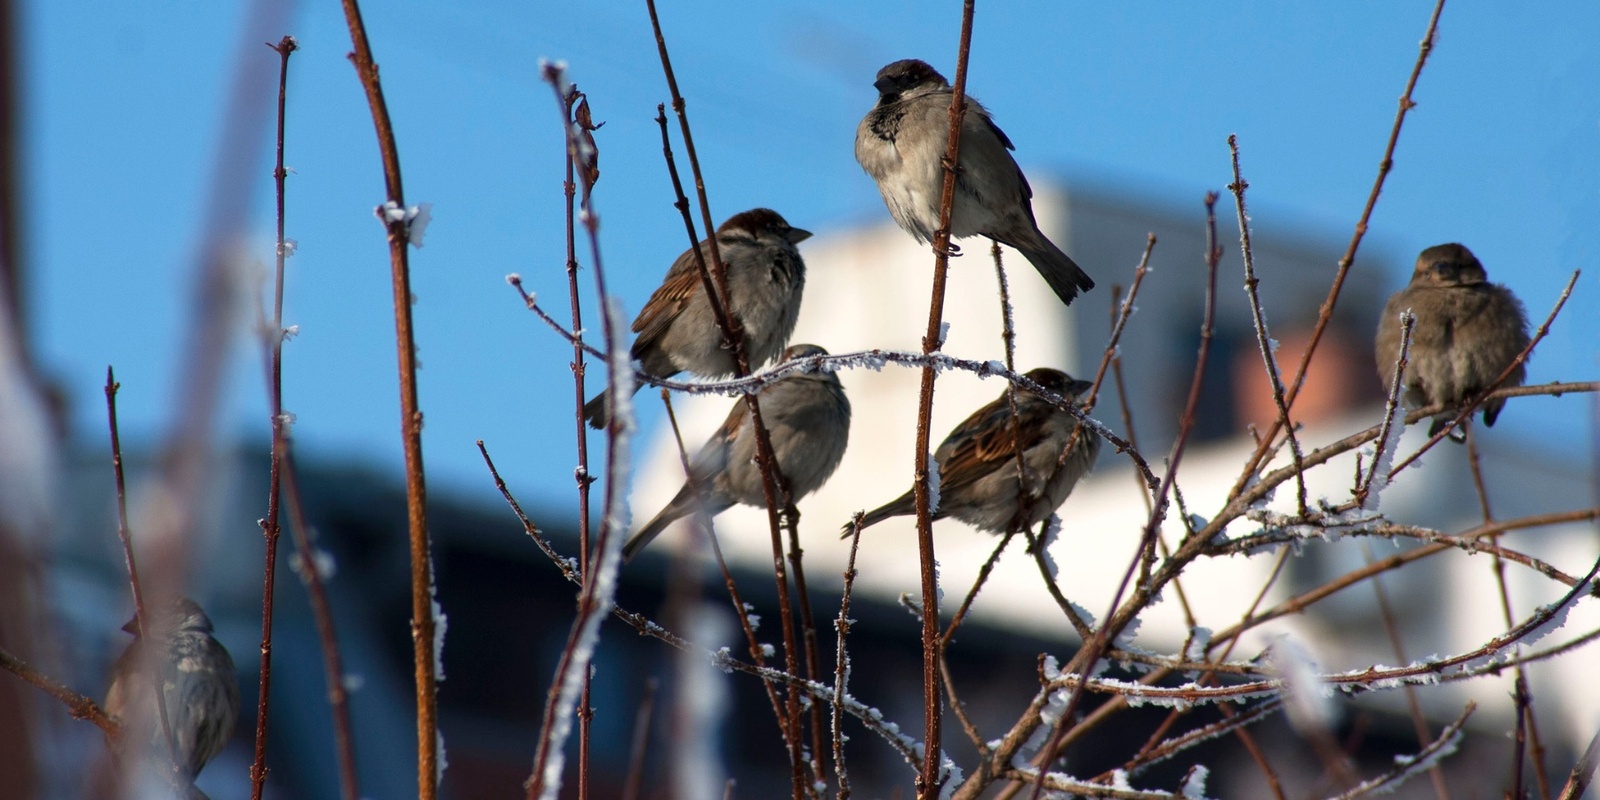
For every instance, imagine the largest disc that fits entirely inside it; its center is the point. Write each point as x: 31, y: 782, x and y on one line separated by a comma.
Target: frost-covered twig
x: 714, y: 282
x: 841, y: 672
x: 1325, y: 314
x: 1072, y: 787
x: 1407, y: 767
x: 1222, y: 727
x: 1366, y: 493
x: 1086, y: 658
x: 600, y: 578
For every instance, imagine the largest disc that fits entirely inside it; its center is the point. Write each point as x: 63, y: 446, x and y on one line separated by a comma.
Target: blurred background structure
x: 508, y: 608
x: 115, y: 113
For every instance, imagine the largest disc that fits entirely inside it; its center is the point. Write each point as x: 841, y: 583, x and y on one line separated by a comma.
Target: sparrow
x: 678, y: 331
x: 901, y: 143
x: 200, y: 687
x: 978, y: 461
x: 808, y: 418
x: 1467, y: 332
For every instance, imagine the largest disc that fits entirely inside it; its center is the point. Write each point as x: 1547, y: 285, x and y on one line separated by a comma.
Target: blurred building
x: 509, y: 610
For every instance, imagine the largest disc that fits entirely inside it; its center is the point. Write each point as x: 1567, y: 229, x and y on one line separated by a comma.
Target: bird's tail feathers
x: 900, y: 506
x: 1063, y: 274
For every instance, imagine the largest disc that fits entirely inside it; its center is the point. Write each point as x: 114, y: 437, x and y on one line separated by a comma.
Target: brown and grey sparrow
x: 678, y: 331
x: 808, y: 418
x: 978, y: 461
x: 902, y: 142
x: 1467, y: 332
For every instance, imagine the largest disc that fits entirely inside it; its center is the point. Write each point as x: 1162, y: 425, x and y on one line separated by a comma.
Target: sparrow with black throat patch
x: 902, y: 143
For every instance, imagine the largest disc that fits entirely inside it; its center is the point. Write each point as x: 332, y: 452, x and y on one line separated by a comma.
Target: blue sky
x: 124, y: 103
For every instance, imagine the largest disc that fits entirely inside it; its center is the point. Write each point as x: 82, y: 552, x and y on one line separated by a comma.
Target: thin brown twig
x: 78, y: 706
x: 310, y: 561
x: 1521, y: 695
x: 733, y: 338
x: 423, y: 624
x: 596, y: 595
x: 271, y: 526
x: 1263, y: 338
x: 841, y: 672
x: 1583, y: 771
x: 928, y: 782
x: 1363, y: 491
x: 1392, y: 628
x: 576, y: 112
x: 1085, y: 659
x: 1325, y: 314
x: 740, y: 609
x: 641, y: 741
x: 141, y: 613
x: 808, y: 640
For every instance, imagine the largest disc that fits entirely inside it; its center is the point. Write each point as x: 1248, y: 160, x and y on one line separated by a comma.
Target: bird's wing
x: 984, y: 441
x: 668, y: 301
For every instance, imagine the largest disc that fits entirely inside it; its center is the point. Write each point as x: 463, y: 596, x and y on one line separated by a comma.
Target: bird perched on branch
x: 808, y: 419
x: 902, y: 143
x: 677, y: 329
x: 977, y: 480
x: 200, y: 689
x: 1467, y: 332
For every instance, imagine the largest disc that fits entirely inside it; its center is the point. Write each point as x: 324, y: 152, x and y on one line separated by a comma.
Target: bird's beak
x: 883, y: 85
x: 797, y: 235
x: 132, y: 626
x: 1081, y: 387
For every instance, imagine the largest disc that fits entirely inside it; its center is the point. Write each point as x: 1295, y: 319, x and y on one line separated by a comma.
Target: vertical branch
x: 733, y: 338
x: 1263, y: 338
x: 641, y: 741
x: 740, y: 609
x: 841, y: 672
x: 141, y: 614
x: 1349, y: 257
x: 1008, y: 338
x: 1084, y: 661
x: 271, y: 527
x: 1392, y: 627
x: 424, y: 659
x: 576, y: 101
x: 597, y: 595
x: 311, y: 572
x: 1408, y: 322
x: 932, y: 340
x: 1526, y: 724
x: 283, y: 482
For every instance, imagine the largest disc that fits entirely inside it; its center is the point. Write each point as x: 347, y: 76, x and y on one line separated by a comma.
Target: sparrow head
x: 907, y: 76
x: 758, y: 221
x: 1448, y: 265
x: 175, y: 615
x: 1059, y: 382
x: 802, y: 351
